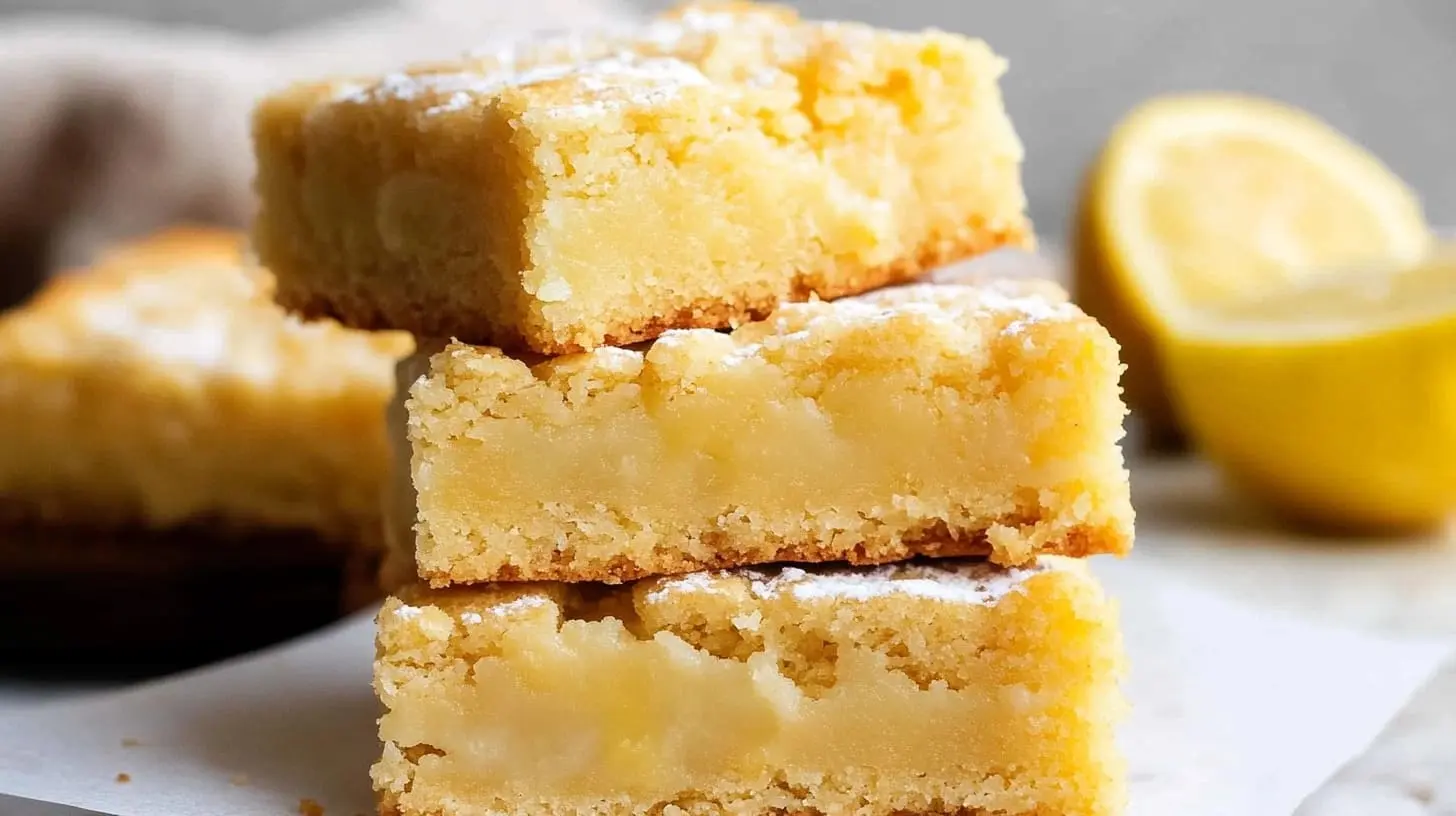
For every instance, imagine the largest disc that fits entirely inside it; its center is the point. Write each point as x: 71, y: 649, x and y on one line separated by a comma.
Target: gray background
x: 1381, y: 70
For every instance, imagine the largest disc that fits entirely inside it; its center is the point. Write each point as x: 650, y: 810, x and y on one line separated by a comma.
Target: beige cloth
x: 111, y: 129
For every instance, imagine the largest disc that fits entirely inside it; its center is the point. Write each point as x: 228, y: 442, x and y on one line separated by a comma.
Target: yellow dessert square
x: 921, y: 420
x: 952, y: 688
x: 602, y: 188
x: 167, y: 425
x: 172, y: 440
x: 165, y: 387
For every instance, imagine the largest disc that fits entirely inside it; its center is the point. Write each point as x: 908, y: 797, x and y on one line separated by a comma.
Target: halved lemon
x: 1333, y: 399
x: 1203, y: 201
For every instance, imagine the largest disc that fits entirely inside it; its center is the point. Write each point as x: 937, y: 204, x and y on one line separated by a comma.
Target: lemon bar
x: 602, y: 188
x: 955, y: 688
x: 165, y: 386
x: 919, y: 420
x: 162, y: 401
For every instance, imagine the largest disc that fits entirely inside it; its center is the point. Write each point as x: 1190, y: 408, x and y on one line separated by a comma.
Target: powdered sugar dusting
x: 657, y: 71
x: 157, y: 320
x: 742, y: 354
x: 1025, y: 303
x: 1033, y: 308
x: 958, y: 582
x: 693, y: 582
x: 458, y: 89
x: 1014, y: 306
x: 409, y: 86
x: 616, y: 357
x: 201, y: 342
x: 605, y: 83
x: 674, y: 337
x: 963, y: 583
x: 623, y: 79
x: 520, y: 604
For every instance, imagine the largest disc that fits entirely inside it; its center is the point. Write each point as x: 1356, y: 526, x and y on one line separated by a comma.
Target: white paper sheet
x: 1235, y: 711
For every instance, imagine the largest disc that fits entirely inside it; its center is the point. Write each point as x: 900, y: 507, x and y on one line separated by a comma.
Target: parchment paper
x: 1235, y: 711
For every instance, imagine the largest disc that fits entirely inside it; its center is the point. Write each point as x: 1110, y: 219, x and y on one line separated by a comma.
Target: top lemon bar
x: 600, y: 189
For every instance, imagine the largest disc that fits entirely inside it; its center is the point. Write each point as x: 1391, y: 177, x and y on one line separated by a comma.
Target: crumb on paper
x: 241, y: 780
x: 308, y: 807
x: 130, y: 742
x: 123, y: 778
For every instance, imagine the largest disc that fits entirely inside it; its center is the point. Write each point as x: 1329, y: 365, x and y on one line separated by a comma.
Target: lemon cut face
x: 1335, y: 401
x: 1221, y: 200
x: 1210, y: 203
x: 1343, y: 305
x: 1279, y: 301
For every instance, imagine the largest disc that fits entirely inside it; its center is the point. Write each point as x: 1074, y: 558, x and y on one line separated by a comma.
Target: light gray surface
x: 1381, y: 70
x: 1411, y: 769
x: 257, y: 16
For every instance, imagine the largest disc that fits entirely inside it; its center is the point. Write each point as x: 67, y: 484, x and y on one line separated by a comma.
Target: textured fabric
x: 113, y: 128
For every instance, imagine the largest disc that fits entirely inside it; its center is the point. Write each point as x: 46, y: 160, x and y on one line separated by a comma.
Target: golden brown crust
x: 704, y: 314
x: 938, y: 542
x: 714, y: 314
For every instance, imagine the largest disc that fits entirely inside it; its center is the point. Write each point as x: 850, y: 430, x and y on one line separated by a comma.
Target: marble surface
x: 1189, y: 520
x: 1409, y: 771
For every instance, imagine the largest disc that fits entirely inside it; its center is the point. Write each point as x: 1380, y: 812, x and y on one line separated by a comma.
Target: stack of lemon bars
x: 707, y: 507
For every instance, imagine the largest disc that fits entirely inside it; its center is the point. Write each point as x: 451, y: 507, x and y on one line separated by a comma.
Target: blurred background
x: 1379, y: 70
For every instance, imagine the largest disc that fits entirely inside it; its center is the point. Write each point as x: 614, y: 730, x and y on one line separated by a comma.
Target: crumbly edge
x: 976, y: 597
x: 295, y: 294
x: 1078, y: 542
x: 1079, y: 598
x: 712, y: 314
